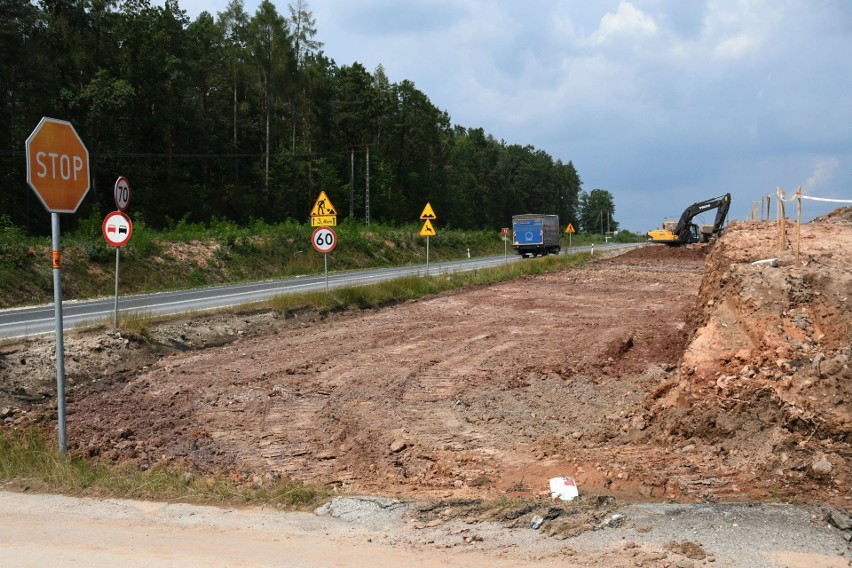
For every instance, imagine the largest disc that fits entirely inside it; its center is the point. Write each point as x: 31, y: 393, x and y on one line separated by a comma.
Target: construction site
x: 707, y: 373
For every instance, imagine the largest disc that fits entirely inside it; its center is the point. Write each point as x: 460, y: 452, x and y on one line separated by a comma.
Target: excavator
x: 685, y: 231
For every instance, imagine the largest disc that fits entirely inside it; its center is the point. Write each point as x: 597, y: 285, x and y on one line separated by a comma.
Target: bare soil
x: 687, y: 374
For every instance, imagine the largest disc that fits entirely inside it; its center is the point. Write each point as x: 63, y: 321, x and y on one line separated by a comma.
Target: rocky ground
x: 705, y: 373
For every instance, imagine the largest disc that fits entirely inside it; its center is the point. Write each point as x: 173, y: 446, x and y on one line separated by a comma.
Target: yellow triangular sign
x: 323, y: 206
x: 570, y: 228
x: 428, y: 213
x: 428, y: 230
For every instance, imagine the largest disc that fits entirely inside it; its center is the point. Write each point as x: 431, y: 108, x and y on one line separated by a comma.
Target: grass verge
x: 414, y: 287
x: 31, y: 461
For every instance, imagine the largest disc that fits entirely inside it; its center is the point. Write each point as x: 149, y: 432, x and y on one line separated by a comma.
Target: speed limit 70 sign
x: 324, y: 239
x: 122, y: 193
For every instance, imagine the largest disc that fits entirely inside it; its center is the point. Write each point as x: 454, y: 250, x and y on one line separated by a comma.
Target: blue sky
x: 660, y: 102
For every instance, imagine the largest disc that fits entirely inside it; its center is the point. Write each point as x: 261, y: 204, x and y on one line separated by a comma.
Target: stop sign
x: 57, y: 165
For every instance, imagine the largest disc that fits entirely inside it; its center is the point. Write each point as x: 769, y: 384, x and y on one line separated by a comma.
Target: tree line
x: 242, y: 117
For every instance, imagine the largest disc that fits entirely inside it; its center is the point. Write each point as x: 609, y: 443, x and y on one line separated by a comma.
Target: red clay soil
x: 684, y: 373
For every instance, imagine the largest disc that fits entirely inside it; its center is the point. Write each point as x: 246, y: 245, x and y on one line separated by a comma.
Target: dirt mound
x: 838, y: 216
x: 766, y: 376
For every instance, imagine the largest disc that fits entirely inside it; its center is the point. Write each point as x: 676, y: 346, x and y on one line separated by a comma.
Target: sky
x: 662, y: 103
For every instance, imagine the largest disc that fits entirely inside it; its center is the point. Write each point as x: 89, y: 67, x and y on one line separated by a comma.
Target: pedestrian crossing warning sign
x: 428, y: 213
x: 323, y: 207
x: 428, y: 230
x: 570, y: 228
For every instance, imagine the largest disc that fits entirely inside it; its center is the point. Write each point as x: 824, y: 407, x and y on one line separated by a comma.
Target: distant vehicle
x: 685, y: 231
x: 536, y: 235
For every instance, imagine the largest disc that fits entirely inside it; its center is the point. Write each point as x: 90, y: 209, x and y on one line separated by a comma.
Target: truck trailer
x: 536, y: 234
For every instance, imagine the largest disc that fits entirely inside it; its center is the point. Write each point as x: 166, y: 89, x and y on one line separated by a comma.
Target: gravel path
x: 40, y: 530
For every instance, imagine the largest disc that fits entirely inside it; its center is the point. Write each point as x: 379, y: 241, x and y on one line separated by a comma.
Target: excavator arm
x: 685, y: 232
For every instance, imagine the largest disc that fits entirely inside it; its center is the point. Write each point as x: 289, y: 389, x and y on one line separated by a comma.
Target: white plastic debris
x: 536, y: 522
x: 563, y: 489
x: 773, y: 262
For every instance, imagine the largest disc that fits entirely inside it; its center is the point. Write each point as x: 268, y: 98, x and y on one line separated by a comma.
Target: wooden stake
x: 798, y: 222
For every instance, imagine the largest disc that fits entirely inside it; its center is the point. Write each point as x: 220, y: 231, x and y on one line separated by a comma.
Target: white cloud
x: 736, y: 47
x: 823, y: 173
x: 627, y: 20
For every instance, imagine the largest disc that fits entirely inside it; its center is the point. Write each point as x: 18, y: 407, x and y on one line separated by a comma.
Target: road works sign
x: 57, y: 165
x: 570, y: 228
x: 323, y: 213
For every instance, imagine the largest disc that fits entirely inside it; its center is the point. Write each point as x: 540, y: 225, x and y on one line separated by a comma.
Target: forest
x: 242, y: 117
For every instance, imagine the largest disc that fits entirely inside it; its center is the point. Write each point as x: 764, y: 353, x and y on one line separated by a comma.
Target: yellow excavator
x: 685, y: 231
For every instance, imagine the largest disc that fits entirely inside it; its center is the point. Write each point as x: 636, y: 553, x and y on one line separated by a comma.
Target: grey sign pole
x: 427, y: 255
x: 325, y: 261
x: 61, y: 183
x: 115, y: 310
x: 60, y: 341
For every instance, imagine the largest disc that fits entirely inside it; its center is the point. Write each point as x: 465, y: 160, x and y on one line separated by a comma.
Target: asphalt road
x: 39, y: 320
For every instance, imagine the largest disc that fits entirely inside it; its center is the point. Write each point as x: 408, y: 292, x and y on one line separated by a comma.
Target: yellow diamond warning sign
x: 428, y: 213
x: 323, y: 207
x: 570, y: 228
x: 428, y: 230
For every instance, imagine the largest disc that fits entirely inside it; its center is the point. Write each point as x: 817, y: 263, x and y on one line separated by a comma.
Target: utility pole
x: 352, y: 149
x: 367, y: 196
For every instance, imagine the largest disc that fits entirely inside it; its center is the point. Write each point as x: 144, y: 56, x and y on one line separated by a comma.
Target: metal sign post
x: 60, y: 337
x: 505, y: 232
x: 121, y: 192
x: 427, y: 216
x: 324, y: 239
x: 570, y: 230
x: 115, y: 304
x: 117, y: 229
x: 58, y: 173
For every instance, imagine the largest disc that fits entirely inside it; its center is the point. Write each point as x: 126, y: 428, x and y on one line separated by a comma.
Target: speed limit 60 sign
x: 324, y: 239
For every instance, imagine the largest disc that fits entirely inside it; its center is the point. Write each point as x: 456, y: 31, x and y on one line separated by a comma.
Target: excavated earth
x: 705, y: 373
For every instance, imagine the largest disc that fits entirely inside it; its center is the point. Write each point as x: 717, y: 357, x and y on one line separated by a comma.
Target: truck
x: 685, y: 231
x: 534, y: 234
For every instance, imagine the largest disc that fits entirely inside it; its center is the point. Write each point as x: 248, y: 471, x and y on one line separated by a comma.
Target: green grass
x: 30, y: 460
x: 414, y: 287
